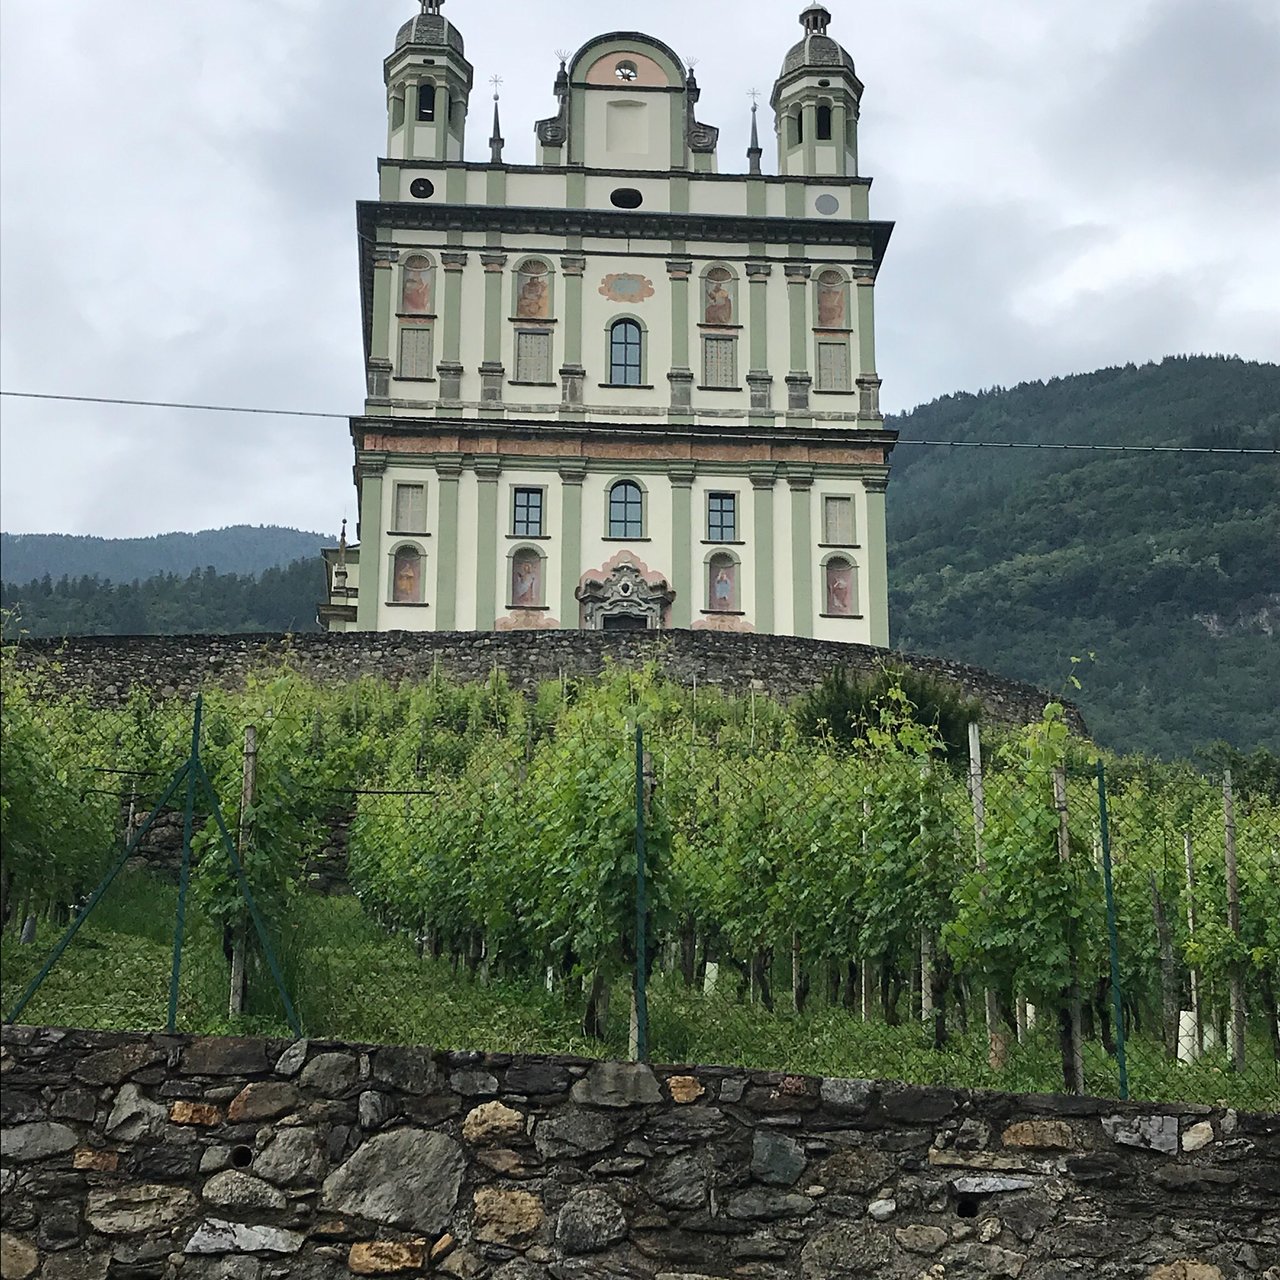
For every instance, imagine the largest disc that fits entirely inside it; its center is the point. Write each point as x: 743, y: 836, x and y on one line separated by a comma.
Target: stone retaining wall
x: 167, y: 1157
x: 109, y: 666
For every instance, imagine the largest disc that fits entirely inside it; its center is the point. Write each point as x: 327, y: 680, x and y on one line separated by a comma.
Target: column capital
x: 796, y: 272
x: 573, y: 264
x: 679, y: 268
x: 572, y: 473
x: 763, y: 477
x: 452, y: 259
x: 759, y: 270
x: 487, y: 467
x: 384, y: 259
x: 493, y: 262
x: 449, y: 468
x: 681, y: 474
x: 800, y: 477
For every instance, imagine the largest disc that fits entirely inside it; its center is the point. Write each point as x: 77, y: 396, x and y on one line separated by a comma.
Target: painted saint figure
x: 831, y: 300
x: 406, y: 586
x: 718, y: 308
x: 415, y: 290
x: 839, y: 587
x: 533, y: 298
x: 526, y: 581
x: 722, y: 585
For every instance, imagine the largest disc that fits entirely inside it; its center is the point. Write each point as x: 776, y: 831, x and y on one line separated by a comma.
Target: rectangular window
x: 410, y: 514
x: 533, y: 356
x: 837, y: 521
x: 415, y: 352
x: 722, y: 517
x: 719, y: 363
x: 833, y: 366
x: 526, y: 515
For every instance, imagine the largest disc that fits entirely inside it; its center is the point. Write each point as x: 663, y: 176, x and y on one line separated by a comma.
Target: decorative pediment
x: 624, y: 588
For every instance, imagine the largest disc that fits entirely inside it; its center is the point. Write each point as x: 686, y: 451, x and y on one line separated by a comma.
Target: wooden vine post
x: 240, y: 932
x: 1233, y: 922
x: 997, y: 1038
x: 1197, y: 1012
x: 1072, y: 1040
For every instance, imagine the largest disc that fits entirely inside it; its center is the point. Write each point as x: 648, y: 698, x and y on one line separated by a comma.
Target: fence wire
x: 626, y: 869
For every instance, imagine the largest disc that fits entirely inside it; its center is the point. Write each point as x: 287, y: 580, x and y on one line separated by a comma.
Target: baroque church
x: 618, y: 389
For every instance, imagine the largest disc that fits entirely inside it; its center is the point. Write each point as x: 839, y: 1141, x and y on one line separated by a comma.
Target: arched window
x: 841, y: 587
x: 797, y: 128
x: 426, y: 101
x: 526, y: 578
x: 626, y: 510
x: 407, y: 565
x: 417, y: 278
x: 824, y: 123
x: 722, y: 583
x: 625, y: 349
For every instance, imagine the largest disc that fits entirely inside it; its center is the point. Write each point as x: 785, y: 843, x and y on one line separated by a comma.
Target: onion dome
x: 817, y: 50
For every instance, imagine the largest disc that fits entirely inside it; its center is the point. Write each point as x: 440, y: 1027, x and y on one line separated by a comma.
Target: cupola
x: 428, y: 86
x: 816, y: 101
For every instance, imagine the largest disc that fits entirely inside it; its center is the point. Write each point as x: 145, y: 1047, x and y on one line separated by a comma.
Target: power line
x: 937, y: 444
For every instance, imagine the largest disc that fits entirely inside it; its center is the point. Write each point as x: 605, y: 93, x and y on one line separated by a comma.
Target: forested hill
x: 1165, y: 566
x: 166, y: 604
x: 240, y: 549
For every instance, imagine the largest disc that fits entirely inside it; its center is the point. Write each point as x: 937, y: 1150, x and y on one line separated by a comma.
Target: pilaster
x: 571, y: 566
x: 798, y: 379
x: 682, y: 542
x: 449, y: 470
x: 763, y: 480
x: 759, y: 379
x: 372, y: 570
x: 491, y: 370
x: 679, y: 270
x: 487, y: 472
x: 800, y: 482
x: 876, y: 561
x: 449, y: 370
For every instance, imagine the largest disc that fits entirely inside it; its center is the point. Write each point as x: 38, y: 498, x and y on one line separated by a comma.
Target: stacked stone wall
x: 159, y: 1157
x: 108, y: 667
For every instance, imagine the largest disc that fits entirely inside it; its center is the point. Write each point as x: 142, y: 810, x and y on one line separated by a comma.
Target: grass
x: 350, y: 980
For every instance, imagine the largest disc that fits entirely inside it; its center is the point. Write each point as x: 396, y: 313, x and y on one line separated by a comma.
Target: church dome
x: 432, y: 28
x: 817, y: 49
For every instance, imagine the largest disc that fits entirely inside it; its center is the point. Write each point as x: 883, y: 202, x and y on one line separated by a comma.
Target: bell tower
x: 428, y: 85
x: 815, y: 104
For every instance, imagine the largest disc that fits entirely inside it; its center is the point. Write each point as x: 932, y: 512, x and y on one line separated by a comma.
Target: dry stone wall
x: 108, y: 667
x: 159, y: 1157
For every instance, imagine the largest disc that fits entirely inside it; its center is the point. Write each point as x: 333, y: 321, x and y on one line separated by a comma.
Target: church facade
x: 617, y: 388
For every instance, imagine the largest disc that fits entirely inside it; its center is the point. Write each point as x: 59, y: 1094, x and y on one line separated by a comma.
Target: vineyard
x: 624, y: 861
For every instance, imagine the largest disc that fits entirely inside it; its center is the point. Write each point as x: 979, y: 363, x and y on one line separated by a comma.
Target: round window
x: 626, y: 198
x: 626, y: 70
x: 827, y: 204
x: 422, y: 188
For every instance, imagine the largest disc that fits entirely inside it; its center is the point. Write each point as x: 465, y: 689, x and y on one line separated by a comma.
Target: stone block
x: 230, y: 1056
x: 505, y: 1217
x: 849, y: 1251
x: 536, y: 1078
x: 406, y: 1178
x: 1151, y: 1133
x: 492, y: 1122
x: 37, y: 1141
x: 776, y: 1159
x: 1197, y: 1136
x: 203, y: 1114
x: 386, y: 1257
x: 218, y: 1236
x: 18, y: 1259
x: 989, y: 1184
x: 921, y: 1239
x: 572, y: 1133
x: 1186, y: 1269
x: 1049, y: 1135
x: 333, y: 1075
x: 684, y: 1089
x: 235, y: 1189
x: 111, y: 1066
x: 263, y: 1100
x: 589, y: 1222
x: 133, y: 1210
x: 617, y: 1084
x: 95, y: 1161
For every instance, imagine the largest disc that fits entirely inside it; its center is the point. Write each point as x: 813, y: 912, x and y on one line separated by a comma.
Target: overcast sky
x: 1076, y: 183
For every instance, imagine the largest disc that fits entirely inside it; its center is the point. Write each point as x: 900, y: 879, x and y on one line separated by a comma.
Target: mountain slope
x: 1164, y: 566
x: 238, y: 549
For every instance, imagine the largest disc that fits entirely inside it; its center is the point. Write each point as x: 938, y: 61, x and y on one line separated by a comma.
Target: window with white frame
x: 410, y: 509
x: 722, y: 517
x: 626, y: 365
x: 526, y: 512
x: 626, y: 510
x: 837, y: 521
x: 533, y: 355
x: 415, y: 352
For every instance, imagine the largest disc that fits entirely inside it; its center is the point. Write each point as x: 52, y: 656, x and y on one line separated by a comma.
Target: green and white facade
x: 618, y: 388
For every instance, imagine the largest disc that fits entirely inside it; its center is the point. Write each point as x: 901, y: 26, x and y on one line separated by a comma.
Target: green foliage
x: 845, y: 705
x: 1164, y: 565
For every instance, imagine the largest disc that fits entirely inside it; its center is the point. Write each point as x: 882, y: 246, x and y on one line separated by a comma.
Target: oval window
x: 422, y: 188
x: 626, y: 198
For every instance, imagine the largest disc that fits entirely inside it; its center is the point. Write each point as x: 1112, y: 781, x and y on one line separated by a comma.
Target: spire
x: 495, y: 139
x: 754, y: 151
x: 340, y: 569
